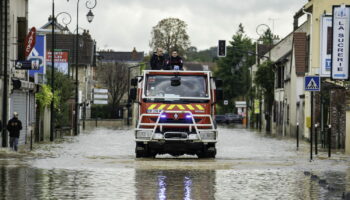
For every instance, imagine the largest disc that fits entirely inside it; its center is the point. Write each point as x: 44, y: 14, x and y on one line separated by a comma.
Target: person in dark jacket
x: 175, y: 62
x: 14, y: 126
x: 158, y: 60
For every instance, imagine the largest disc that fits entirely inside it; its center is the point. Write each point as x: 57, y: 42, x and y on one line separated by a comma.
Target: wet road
x: 101, y: 165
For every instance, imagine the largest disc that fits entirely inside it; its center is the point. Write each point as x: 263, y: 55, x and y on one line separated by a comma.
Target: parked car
x: 233, y: 118
x: 220, y: 119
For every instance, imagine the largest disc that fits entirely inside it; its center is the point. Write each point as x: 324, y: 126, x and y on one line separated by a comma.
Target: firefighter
x: 175, y: 62
x: 158, y: 60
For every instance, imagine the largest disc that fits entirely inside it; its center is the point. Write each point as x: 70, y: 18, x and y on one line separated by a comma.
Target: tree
x: 64, y: 90
x: 207, y: 55
x: 115, y: 78
x: 234, y: 68
x: 265, y: 80
x: 170, y: 34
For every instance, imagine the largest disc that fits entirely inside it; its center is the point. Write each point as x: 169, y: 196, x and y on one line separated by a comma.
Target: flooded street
x: 101, y: 165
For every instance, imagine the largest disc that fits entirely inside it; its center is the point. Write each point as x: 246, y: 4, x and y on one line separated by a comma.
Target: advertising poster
x: 326, y: 46
x: 61, y: 60
x: 38, y: 54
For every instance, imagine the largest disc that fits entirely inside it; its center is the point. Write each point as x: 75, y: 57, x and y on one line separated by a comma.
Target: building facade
x: 299, y: 55
x: 18, y: 93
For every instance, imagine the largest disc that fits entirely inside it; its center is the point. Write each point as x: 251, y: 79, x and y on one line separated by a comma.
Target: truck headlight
x: 143, y: 134
x: 158, y: 136
x: 208, y: 135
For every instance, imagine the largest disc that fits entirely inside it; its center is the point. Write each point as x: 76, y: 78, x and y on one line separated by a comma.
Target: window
x: 191, y: 87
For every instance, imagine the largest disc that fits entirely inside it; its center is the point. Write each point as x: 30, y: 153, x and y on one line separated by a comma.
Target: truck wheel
x: 142, y: 151
x: 207, y: 152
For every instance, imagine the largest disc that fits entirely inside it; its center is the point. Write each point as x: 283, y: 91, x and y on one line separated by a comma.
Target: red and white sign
x: 29, y: 42
x: 60, y: 56
x: 61, y: 59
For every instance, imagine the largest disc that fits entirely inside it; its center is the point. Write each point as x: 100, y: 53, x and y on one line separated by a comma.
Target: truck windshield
x: 191, y: 87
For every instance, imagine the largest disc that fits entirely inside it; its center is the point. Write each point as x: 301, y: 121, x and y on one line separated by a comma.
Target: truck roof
x: 179, y: 72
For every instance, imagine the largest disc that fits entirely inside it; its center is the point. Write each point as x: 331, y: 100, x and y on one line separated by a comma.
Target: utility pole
x: 5, y: 88
x: 52, y: 109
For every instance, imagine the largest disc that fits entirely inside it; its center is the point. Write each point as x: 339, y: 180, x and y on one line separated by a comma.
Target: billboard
x: 38, y: 54
x: 326, y: 46
x: 340, y: 50
x: 61, y: 59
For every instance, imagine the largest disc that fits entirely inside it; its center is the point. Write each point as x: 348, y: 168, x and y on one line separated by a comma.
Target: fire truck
x: 176, y: 113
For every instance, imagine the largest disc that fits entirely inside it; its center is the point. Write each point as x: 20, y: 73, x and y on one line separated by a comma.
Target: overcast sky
x: 123, y: 24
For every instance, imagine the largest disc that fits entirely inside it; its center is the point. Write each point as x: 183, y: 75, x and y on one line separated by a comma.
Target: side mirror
x: 218, y: 83
x: 133, y: 94
x: 219, y: 94
x: 134, y: 82
x: 175, y: 81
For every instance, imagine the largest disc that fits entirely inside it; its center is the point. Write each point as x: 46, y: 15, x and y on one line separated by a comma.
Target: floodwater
x: 101, y: 165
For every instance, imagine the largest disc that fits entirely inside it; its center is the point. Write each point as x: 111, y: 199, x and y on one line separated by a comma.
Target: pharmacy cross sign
x: 312, y: 83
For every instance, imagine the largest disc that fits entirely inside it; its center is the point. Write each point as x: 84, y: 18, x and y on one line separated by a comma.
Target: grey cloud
x: 123, y: 24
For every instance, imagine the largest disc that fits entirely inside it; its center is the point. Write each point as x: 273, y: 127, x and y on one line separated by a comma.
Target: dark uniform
x: 14, y: 126
x: 173, y: 61
x: 157, y: 62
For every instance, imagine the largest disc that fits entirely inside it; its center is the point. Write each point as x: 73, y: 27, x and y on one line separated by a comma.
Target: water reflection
x: 24, y: 182
x: 175, y: 184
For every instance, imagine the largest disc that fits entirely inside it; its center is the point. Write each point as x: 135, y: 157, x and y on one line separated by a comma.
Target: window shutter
x: 21, y: 32
x: 300, y: 49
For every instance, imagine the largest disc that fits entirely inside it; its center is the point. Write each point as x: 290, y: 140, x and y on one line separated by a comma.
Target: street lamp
x: 260, y: 30
x: 52, y: 71
x: 65, y: 22
x: 90, y: 4
x: 90, y: 16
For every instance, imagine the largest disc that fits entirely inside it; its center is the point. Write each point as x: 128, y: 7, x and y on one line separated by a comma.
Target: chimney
x: 134, y: 54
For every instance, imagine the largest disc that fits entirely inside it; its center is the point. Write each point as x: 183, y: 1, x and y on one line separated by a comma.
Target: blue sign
x: 27, y: 64
x: 312, y: 83
x: 39, y: 55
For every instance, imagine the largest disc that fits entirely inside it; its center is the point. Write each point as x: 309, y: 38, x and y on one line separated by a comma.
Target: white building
x: 21, y: 99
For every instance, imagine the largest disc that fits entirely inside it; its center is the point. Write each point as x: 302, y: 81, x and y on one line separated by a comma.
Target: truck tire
x: 143, y: 151
x: 207, y: 152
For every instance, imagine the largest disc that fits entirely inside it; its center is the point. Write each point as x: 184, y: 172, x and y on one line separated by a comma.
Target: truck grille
x: 174, y: 121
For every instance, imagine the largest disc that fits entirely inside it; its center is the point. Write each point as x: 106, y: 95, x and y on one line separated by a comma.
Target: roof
x: 118, y: 56
x: 57, y: 25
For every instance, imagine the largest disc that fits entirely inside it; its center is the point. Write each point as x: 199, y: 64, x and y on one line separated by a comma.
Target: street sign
x: 100, y: 102
x: 100, y: 96
x: 312, y: 83
x: 225, y: 102
x: 27, y: 65
x: 29, y: 42
x: 97, y: 90
x: 341, y: 40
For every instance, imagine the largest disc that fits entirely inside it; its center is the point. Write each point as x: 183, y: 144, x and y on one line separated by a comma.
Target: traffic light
x: 222, y: 48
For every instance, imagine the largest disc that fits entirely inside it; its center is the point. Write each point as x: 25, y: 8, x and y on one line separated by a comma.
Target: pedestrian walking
x: 158, y: 60
x: 175, y: 62
x: 14, y: 126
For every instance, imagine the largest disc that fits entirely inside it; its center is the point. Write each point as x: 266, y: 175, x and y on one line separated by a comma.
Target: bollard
x: 297, y: 135
x: 316, y: 126
x: 311, y: 138
x: 31, y: 139
x: 329, y: 140
x: 96, y: 123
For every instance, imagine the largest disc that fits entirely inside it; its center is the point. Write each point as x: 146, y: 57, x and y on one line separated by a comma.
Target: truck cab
x: 175, y: 113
